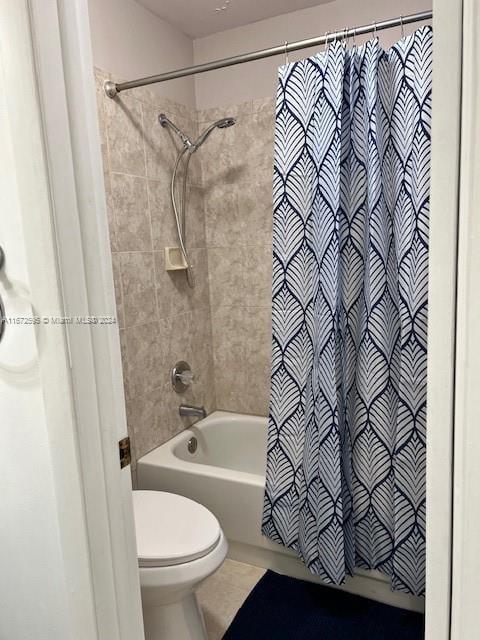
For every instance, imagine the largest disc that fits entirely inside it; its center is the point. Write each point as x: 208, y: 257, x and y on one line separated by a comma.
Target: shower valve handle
x: 181, y: 376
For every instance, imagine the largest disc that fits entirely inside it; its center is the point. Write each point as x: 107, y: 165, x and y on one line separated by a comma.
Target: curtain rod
x: 112, y: 88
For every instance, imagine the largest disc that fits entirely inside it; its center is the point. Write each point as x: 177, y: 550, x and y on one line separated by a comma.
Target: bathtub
x: 226, y: 473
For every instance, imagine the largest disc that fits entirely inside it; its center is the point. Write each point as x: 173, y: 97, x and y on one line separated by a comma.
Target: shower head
x: 224, y: 123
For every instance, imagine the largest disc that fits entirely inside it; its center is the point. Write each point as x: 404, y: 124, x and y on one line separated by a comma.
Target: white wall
x: 131, y: 42
x: 258, y: 79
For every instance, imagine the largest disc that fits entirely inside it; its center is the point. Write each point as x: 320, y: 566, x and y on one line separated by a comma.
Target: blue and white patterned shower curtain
x: 347, y: 443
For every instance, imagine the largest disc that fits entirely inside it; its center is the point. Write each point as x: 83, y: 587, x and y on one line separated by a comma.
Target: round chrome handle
x: 181, y: 376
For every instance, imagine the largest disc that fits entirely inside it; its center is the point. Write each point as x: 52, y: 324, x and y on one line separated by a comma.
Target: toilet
x: 179, y: 544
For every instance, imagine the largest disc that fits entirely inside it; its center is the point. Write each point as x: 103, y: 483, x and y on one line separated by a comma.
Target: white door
x: 45, y: 580
x: 67, y: 522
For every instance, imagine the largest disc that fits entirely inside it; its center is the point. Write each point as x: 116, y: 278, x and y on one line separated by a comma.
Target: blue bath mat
x: 283, y: 608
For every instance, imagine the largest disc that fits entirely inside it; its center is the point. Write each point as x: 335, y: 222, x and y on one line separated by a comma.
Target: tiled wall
x: 222, y: 326
x: 161, y: 319
x: 237, y: 167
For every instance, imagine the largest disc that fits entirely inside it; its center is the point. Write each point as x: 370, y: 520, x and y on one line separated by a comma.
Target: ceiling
x: 198, y: 18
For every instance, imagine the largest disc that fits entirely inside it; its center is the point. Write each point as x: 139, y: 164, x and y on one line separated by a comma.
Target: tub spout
x: 187, y: 411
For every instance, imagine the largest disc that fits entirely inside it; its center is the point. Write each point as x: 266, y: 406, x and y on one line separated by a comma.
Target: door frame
x: 60, y: 34
x: 466, y: 512
x: 442, y: 303
x: 61, y: 37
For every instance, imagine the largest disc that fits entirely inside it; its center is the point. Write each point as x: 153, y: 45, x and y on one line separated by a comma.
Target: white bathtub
x: 227, y: 475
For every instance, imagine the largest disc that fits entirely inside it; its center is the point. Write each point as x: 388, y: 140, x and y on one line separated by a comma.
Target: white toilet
x: 179, y: 544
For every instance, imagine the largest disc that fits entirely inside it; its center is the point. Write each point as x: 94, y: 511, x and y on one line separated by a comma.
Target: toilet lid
x: 172, y: 529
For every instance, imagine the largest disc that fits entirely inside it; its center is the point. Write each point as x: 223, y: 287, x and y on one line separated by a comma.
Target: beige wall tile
x: 131, y: 212
x: 222, y: 326
x: 178, y: 110
x: 206, y: 116
x: 189, y: 339
x: 195, y: 217
x: 201, y: 291
x: 255, y: 207
x: 178, y: 339
x: 258, y: 276
x: 228, y: 328
x: 226, y: 276
x: 112, y: 227
x: 138, y: 285
x: 146, y: 358
x: 255, y: 145
x: 170, y: 413
x: 258, y: 327
x: 147, y: 95
x: 144, y: 419
x: 141, y: 220
x: 124, y: 354
x: 202, y: 356
x: 238, y: 213
x: 230, y: 399
x: 258, y: 324
x: 174, y: 296
x: 219, y: 157
x: 124, y: 121
x: 195, y: 170
x: 164, y: 230
x: 117, y: 283
x: 264, y: 105
x: 241, y: 154
x: 224, y: 221
x: 256, y: 404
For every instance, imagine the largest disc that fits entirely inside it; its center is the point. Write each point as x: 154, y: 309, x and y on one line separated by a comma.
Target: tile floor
x: 222, y: 595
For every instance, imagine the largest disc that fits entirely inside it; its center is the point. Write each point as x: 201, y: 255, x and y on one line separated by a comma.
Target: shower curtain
x: 345, y: 483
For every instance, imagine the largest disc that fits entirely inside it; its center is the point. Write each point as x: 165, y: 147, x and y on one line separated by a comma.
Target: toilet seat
x: 172, y: 529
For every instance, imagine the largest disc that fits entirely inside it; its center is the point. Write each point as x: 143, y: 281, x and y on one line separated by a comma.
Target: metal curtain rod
x: 112, y: 89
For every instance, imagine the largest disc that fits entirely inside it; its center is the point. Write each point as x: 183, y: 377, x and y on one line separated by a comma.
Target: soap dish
x: 174, y: 259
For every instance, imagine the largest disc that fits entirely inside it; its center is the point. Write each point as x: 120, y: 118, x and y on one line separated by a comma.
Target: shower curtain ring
x: 374, y: 29
x: 326, y: 40
x: 286, y: 52
x: 402, y: 27
x: 354, y: 39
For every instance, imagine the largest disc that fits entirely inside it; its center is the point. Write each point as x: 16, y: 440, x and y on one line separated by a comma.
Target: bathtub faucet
x: 187, y: 411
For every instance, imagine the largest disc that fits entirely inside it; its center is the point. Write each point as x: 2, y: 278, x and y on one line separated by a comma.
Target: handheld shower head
x: 224, y: 123
x: 179, y: 207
